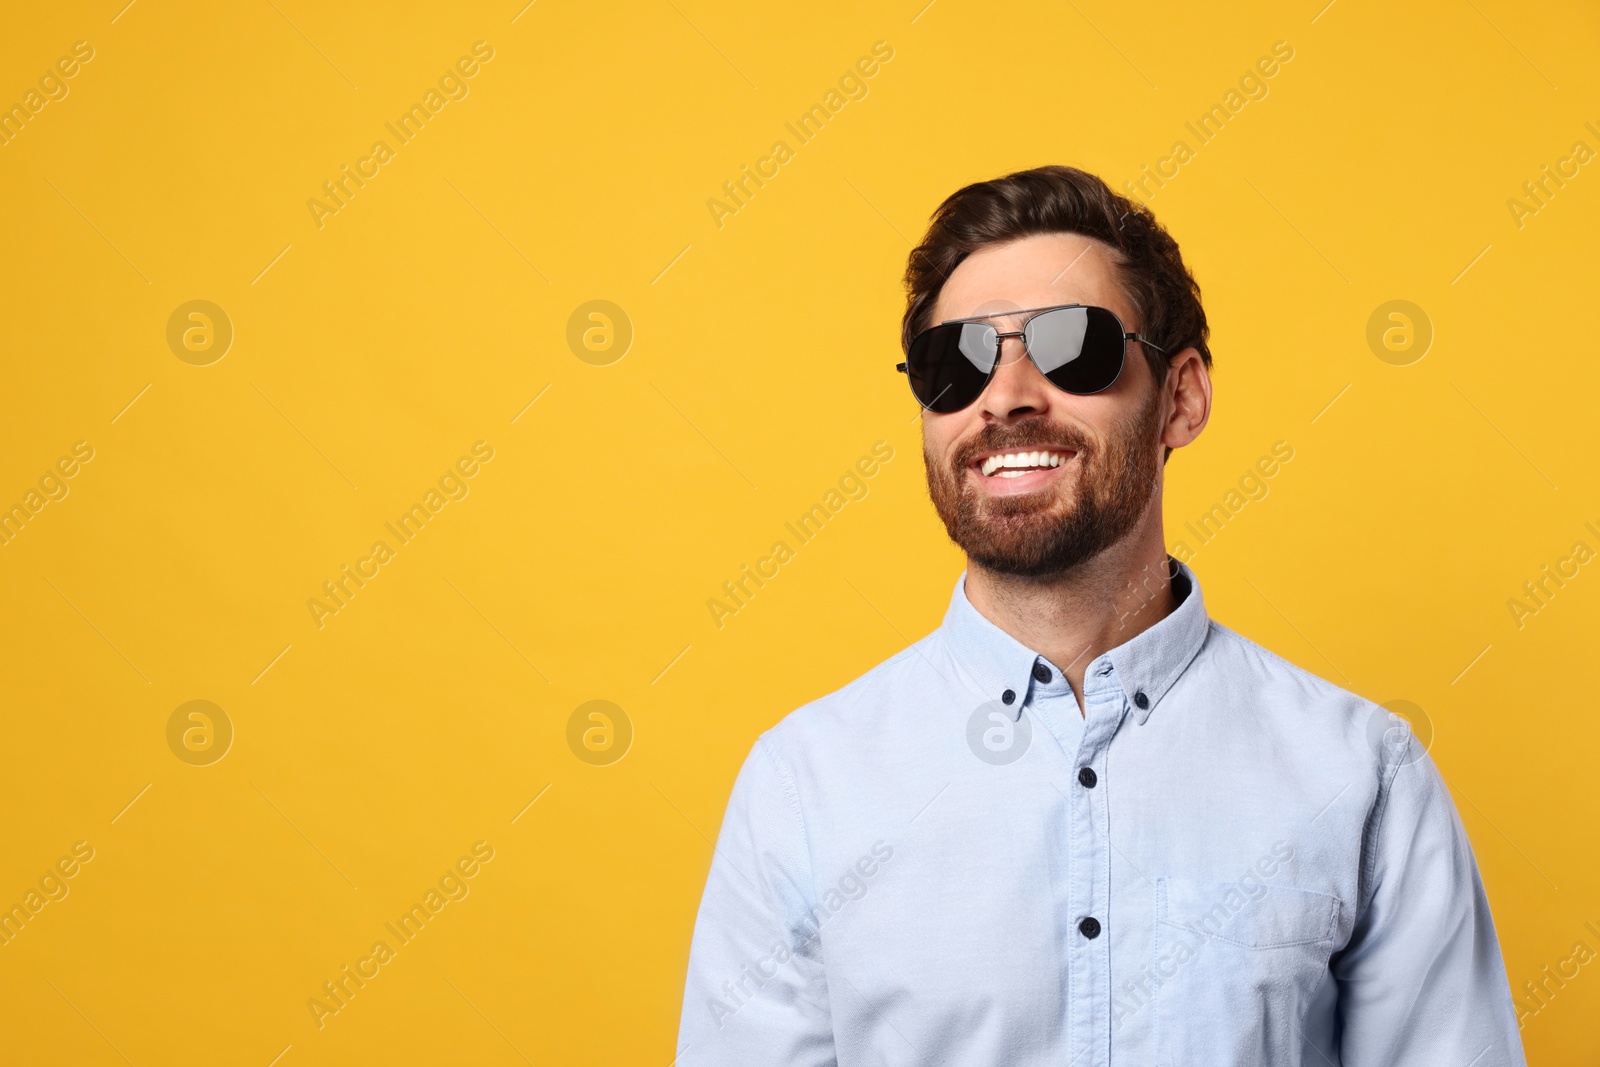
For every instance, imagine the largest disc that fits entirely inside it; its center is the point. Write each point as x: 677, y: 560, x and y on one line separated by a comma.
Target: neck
x: 1072, y: 617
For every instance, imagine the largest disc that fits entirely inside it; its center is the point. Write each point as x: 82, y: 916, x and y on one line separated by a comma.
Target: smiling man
x: 1081, y: 823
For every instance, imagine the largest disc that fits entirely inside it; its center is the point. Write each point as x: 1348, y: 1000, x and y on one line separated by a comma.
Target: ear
x: 1188, y: 388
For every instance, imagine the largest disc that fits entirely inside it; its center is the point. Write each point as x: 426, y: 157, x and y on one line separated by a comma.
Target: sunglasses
x: 1079, y: 349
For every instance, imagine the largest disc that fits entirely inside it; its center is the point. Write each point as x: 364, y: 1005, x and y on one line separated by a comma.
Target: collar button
x: 1141, y: 700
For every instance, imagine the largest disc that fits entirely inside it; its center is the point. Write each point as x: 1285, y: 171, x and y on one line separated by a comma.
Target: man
x: 1081, y: 823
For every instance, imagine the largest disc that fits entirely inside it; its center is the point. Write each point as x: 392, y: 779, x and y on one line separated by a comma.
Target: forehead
x: 1034, y: 271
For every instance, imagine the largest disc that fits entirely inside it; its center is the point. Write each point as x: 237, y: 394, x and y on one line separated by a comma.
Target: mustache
x: 1024, y: 437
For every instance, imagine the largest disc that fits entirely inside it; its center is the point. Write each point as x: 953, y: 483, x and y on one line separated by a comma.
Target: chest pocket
x: 1237, y: 965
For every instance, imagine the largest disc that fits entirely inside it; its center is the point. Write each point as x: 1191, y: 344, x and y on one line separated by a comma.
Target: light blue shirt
x: 1224, y: 860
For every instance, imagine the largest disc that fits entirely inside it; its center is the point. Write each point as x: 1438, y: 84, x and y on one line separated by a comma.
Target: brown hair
x: 1058, y: 199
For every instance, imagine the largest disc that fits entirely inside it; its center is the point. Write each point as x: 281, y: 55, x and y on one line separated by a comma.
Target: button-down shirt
x: 1222, y: 860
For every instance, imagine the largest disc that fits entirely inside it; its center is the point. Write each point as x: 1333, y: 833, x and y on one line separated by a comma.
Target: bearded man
x: 1082, y: 823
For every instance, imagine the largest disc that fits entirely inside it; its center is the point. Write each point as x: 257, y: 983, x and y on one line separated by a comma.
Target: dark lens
x: 950, y: 364
x: 1079, y: 349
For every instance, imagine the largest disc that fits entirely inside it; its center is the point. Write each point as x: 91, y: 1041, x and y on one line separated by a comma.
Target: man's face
x: 1103, y: 452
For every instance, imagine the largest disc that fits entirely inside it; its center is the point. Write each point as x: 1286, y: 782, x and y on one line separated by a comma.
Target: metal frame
x: 1032, y: 313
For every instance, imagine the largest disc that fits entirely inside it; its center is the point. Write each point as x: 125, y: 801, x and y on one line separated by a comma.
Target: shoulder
x: 1330, y: 731
x: 1247, y: 663
x: 1308, y: 711
x: 852, y: 716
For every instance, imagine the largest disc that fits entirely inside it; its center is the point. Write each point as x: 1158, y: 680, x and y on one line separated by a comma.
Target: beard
x: 1057, y: 527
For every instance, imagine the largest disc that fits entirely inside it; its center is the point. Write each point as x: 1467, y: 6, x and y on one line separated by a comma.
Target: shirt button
x: 1041, y: 673
x: 1087, y: 777
x: 1141, y: 700
x: 1090, y: 928
x: 1007, y: 697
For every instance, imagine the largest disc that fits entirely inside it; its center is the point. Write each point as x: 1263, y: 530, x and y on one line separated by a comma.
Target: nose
x: 1017, y: 388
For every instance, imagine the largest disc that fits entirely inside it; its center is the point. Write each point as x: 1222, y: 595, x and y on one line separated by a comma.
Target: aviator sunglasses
x: 1079, y: 349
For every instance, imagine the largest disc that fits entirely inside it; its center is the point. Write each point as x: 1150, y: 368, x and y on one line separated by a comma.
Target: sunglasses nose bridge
x: 1000, y: 347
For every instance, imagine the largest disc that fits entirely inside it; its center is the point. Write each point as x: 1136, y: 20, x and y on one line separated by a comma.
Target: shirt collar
x: 1146, y: 665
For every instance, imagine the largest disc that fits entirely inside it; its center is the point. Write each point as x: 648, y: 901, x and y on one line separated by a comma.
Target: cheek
x: 942, y: 436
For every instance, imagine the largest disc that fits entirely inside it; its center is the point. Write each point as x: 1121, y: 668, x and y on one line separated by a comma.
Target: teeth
x: 1016, y: 463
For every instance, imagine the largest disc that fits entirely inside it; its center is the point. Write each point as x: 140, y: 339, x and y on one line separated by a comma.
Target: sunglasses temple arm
x: 1141, y: 340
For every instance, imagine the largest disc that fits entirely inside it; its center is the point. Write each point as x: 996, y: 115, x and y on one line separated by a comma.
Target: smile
x: 1016, y: 464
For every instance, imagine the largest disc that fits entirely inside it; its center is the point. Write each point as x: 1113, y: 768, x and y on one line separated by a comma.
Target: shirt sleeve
x: 755, y: 993
x: 1422, y: 981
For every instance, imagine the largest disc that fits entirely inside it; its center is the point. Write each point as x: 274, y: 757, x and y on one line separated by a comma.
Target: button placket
x: 1089, y: 954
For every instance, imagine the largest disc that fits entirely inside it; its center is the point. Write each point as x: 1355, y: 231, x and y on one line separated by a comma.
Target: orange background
x: 373, y: 346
